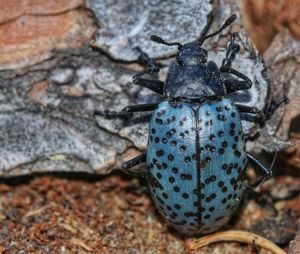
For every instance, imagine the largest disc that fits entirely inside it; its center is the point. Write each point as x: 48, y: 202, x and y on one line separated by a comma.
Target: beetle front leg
x: 233, y: 85
x: 231, y: 51
x: 156, y: 86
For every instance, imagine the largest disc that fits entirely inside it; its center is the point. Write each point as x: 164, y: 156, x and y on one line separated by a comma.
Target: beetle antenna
x: 162, y: 41
x: 227, y: 23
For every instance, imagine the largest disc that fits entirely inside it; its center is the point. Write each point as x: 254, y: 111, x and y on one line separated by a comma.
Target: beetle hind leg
x: 267, y: 171
x: 128, y: 165
x: 251, y: 114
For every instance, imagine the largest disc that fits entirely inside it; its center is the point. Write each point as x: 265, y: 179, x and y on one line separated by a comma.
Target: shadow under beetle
x: 196, y: 156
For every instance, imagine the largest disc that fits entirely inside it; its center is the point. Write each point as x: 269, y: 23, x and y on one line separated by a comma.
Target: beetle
x: 196, y: 156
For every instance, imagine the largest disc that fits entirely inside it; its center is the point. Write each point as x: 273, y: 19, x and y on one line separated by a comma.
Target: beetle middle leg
x: 126, y: 112
x: 251, y: 114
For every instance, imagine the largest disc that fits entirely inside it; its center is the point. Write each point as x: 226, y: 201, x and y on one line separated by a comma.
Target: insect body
x: 196, y: 155
x: 196, y: 151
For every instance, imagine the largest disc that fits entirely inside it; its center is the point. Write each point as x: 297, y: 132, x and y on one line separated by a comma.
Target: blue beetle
x: 196, y: 156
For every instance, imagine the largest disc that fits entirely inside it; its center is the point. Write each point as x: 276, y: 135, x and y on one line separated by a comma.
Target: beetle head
x: 192, y: 53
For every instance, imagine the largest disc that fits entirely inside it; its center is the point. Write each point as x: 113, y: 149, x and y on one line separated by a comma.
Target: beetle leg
x: 258, y: 116
x: 156, y: 86
x: 147, y: 61
x: 127, y: 165
x: 126, y: 112
x: 140, y: 107
x: 111, y: 114
x: 267, y: 172
x: 275, y: 104
x: 151, y: 67
x: 232, y: 50
x: 232, y: 84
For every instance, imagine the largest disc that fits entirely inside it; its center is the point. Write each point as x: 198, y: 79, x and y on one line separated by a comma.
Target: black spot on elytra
x: 176, y: 189
x: 228, y: 171
x: 221, y: 133
x: 158, y: 175
x: 224, y: 144
x: 164, y: 140
x: 222, y: 117
x: 160, y: 153
x: 187, y: 159
x: 158, y: 121
x: 211, y: 209
x: 170, y: 157
x: 181, y: 135
x: 207, y: 216
x: 173, y: 143
x: 224, y: 166
x: 156, y: 140
x: 219, y: 108
x: 177, y: 206
x: 185, y: 195
x: 175, y: 170
x: 221, y: 184
x: 224, y: 189
x: 153, y: 131
x: 224, y: 200
x: 165, y: 195
x: 171, y: 179
x: 212, y: 137
x: 237, y: 153
x: 232, y: 181
x: 186, y: 176
x: 182, y: 148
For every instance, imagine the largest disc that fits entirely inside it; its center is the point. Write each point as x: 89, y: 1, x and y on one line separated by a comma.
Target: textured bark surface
x: 180, y: 21
x: 56, y: 81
